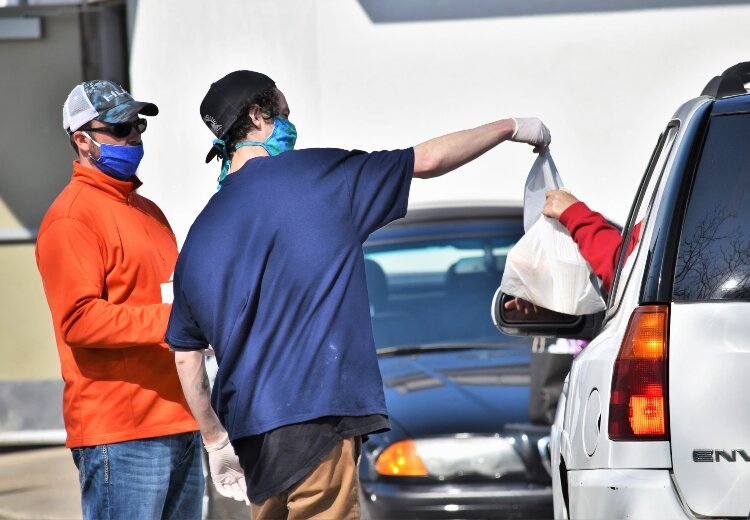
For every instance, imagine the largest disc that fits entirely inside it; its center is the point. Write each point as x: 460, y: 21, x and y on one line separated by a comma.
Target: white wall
x: 605, y: 82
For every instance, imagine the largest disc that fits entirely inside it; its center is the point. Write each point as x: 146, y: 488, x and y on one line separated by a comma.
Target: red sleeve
x: 74, y: 285
x: 598, y: 240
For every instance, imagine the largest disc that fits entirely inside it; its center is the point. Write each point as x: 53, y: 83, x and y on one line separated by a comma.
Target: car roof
x: 730, y: 90
x: 730, y: 105
x: 437, y: 212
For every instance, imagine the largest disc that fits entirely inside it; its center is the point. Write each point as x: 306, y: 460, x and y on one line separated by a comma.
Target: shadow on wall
x: 29, y: 185
x: 390, y: 11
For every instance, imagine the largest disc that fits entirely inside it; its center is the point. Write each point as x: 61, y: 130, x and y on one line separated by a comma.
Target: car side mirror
x: 543, y: 322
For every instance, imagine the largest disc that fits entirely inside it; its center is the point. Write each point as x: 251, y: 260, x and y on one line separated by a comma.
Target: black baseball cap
x: 222, y: 104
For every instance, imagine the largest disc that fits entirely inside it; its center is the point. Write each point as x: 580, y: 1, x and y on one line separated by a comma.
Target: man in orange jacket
x: 102, y: 252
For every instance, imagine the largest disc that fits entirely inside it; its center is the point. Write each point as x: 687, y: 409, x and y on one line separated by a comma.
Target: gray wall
x: 35, y: 163
x: 35, y: 77
x: 34, y: 151
x: 78, y: 43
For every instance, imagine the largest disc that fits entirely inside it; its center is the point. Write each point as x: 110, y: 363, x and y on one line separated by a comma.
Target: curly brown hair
x: 267, y: 101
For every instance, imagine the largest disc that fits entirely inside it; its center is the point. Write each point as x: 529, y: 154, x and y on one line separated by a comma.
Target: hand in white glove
x: 532, y: 131
x: 226, y: 473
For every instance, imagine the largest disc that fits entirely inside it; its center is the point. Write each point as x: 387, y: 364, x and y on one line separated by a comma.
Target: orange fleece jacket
x: 102, y: 252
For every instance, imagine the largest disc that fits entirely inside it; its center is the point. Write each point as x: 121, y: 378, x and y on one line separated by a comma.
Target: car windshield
x: 433, y: 284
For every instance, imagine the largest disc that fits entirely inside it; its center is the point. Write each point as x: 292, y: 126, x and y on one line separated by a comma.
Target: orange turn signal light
x: 648, y: 336
x: 401, y: 459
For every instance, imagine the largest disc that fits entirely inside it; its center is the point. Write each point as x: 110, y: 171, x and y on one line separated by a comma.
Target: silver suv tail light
x: 638, y: 404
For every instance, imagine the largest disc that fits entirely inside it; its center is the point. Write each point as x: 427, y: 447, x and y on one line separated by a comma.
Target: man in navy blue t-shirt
x: 272, y: 276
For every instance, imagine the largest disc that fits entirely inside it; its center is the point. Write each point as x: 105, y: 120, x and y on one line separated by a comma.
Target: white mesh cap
x: 102, y: 100
x: 77, y: 110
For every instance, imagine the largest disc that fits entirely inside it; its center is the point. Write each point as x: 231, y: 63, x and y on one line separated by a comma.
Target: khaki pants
x: 329, y: 492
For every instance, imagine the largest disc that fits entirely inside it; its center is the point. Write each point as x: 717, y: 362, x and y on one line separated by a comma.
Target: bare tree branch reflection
x: 714, y: 260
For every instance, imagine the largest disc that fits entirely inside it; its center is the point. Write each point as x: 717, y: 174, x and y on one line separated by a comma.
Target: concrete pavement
x: 42, y: 484
x: 39, y: 484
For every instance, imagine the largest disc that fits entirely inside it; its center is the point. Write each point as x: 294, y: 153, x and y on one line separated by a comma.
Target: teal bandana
x: 282, y: 139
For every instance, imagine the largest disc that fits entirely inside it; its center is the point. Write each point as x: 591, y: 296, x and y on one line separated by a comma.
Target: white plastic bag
x: 545, y: 267
x: 542, y: 178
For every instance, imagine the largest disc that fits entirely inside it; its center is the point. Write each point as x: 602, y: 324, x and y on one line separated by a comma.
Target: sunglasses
x: 121, y: 130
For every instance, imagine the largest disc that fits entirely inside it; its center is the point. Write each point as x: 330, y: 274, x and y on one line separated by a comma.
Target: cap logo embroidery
x: 113, y: 94
x: 215, y: 126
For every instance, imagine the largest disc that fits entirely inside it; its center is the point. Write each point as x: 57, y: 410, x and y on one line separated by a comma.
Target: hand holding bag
x: 545, y: 267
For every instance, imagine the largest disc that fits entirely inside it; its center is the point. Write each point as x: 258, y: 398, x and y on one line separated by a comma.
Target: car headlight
x: 450, y: 457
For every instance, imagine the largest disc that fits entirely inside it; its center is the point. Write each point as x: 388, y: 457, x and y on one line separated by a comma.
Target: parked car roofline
x: 459, y: 211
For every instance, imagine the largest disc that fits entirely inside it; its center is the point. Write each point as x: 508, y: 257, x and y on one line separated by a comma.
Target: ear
x: 82, y: 142
x: 256, y: 116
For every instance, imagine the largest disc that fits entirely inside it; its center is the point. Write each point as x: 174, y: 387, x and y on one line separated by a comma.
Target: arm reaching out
x: 226, y: 473
x: 446, y: 153
x: 598, y: 241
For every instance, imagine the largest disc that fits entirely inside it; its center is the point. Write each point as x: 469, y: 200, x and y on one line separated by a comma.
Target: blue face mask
x: 120, y: 162
x: 282, y: 139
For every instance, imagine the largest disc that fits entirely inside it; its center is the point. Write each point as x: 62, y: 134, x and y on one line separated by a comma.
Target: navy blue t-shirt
x: 272, y: 276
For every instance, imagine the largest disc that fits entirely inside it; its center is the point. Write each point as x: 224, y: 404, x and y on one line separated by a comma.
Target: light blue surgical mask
x: 282, y: 139
x: 120, y: 162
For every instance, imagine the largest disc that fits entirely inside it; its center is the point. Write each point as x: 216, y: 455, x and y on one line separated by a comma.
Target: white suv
x: 654, y: 420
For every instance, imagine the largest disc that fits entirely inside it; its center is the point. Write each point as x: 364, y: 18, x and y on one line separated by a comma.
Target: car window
x: 713, y: 261
x: 438, y: 290
x: 639, y: 212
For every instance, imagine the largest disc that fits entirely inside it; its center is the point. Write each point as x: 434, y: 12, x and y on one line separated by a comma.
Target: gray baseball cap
x: 104, y: 101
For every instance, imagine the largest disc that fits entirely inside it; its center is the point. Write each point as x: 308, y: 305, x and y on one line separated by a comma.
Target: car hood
x: 465, y: 391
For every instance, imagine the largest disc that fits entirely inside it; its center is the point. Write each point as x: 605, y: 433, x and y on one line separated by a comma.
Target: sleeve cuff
x: 185, y: 346
x: 175, y: 348
x: 574, y: 214
x: 407, y: 183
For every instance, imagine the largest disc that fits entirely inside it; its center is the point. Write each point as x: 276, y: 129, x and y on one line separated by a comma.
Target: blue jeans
x: 155, y: 478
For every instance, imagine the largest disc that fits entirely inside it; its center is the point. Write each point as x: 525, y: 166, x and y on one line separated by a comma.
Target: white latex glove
x: 226, y: 472
x: 532, y: 131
